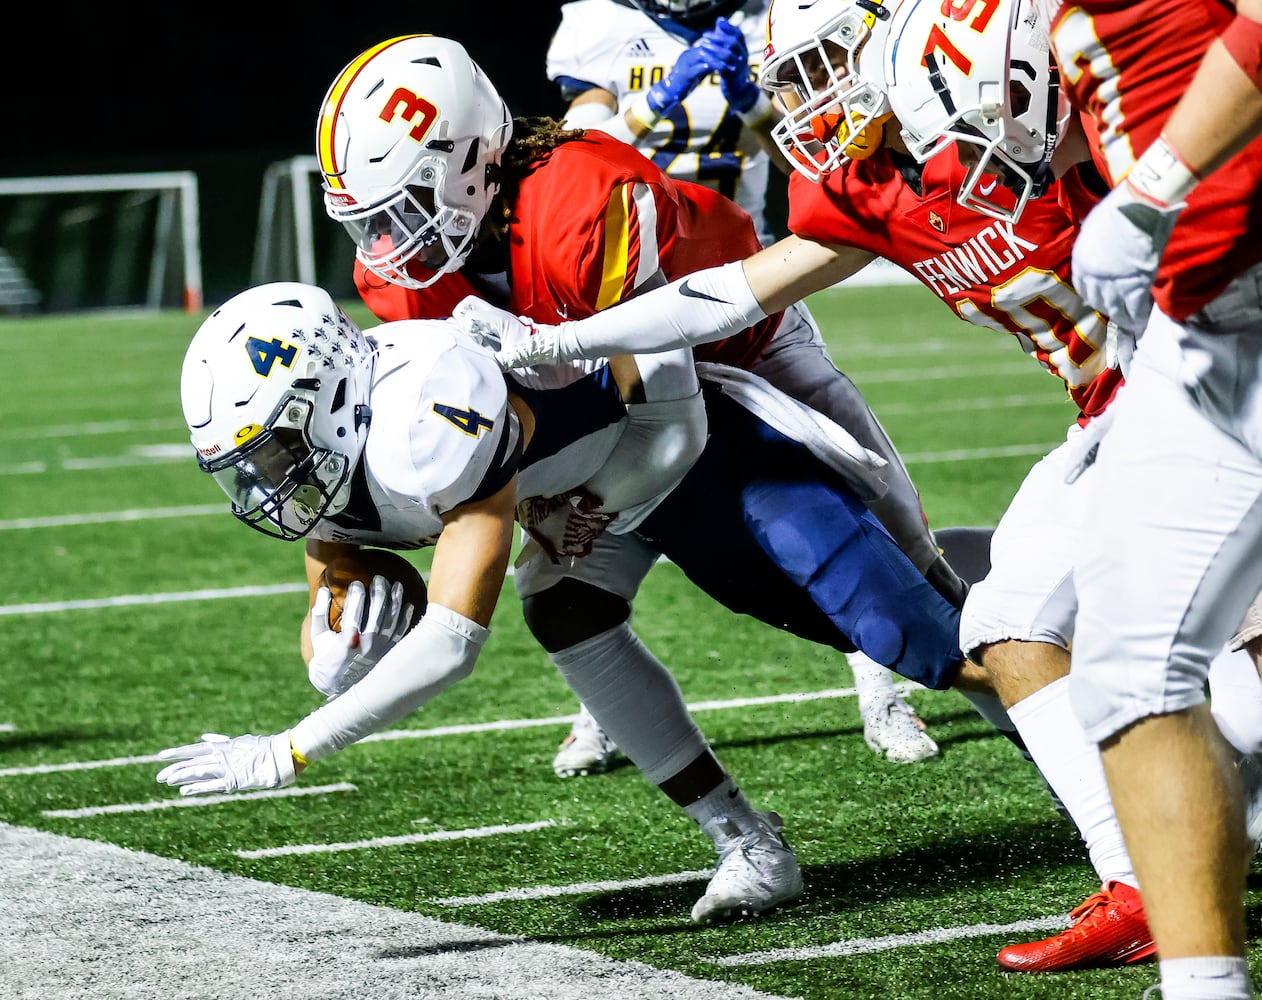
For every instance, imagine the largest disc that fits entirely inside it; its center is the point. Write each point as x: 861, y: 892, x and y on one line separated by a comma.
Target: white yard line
x: 474, y: 833
x: 500, y: 725
x: 195, y: 801
x: 576, y: 889
x: 864, y: 946
x: 127, y: 600
x: 110, y: 517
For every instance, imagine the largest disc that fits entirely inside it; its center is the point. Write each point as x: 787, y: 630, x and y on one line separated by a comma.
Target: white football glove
x: 1117, y: 252
x: 219, y: 764
x: 517, y: 342
x: 341, y: 657
x: 567, y: 524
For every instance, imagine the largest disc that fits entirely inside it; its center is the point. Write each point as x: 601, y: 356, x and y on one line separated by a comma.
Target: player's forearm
x: 439, y: 651
x: 623, y: 125
x: 1221, y: 111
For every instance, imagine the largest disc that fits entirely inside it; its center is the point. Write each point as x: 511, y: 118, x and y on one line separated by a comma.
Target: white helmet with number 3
x: 980, y: 74
x: 823, y: 64
x: 275, y: 394
x: 409, y: 139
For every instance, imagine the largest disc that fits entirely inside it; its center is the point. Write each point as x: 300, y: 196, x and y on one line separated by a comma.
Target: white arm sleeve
x: 439, y: 651
x: 597, y: 116
x: 701, y: 308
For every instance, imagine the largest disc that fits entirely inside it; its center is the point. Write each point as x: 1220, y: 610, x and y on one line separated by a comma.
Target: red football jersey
x: 1006, y: 277
x: 1127, y: 64
x: 593, y: 222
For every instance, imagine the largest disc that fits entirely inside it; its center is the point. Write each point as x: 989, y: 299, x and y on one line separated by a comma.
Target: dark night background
x: 224, y: 90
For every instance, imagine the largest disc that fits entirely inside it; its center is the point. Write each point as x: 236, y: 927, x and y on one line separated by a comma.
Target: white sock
x: 725, y: 800
x: 1071, y: 765
x: 873, y: 683
x: 1218, y: 977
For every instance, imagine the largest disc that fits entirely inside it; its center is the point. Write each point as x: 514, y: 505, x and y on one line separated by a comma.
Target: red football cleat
x: 1109, y: 929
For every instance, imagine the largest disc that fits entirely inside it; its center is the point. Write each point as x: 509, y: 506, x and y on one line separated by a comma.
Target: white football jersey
x: 443, y: 433
x: 605, y: 44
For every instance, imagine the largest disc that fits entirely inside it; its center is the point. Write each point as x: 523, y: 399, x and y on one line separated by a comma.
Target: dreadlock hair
x: 533, y: 141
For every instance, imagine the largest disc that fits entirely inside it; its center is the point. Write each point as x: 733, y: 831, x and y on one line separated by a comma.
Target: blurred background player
x: 674, y: 79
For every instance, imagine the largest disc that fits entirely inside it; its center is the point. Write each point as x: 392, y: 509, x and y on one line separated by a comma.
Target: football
x: 363, y: 566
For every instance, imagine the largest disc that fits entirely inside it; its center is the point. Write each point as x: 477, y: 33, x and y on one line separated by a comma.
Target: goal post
x: 295, y: 240
x: 93, y: 240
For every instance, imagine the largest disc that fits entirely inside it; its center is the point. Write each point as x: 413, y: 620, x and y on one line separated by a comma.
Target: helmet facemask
x: 992, y: 93
x: 833, y: 112
x: 413, y: 224
x: 279, y: 482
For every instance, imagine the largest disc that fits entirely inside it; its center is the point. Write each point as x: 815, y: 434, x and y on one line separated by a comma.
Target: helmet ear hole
x: 1018, y: 98
x: 339, y: 397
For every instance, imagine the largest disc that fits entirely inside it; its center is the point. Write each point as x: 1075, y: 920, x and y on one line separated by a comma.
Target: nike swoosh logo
x: 688, y: 290
x: 985, y: 189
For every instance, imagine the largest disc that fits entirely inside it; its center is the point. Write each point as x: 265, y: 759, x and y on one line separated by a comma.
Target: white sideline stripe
x: 474, y: 833
x: 191, y: 802
x: 502, y: 725
x: 864, y: 946
x: 7, y: 727
x: 143, y: 926
x: 109, y: 517
x: 576, y: 889
x: 938, y: 374
x: 1049, y: 400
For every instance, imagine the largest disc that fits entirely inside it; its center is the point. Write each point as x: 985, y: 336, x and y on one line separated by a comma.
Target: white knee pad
x: 635, y: 700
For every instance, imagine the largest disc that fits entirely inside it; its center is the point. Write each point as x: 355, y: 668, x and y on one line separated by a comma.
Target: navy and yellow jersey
x: 615, y: 47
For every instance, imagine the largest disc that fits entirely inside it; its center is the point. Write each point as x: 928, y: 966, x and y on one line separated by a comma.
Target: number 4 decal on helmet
x: 265, y: 353
x: 469, y: 421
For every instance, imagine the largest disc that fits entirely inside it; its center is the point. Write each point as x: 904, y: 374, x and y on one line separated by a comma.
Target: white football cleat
x: 892, y: 728
x: 757, y: 868
x: 587, y: 750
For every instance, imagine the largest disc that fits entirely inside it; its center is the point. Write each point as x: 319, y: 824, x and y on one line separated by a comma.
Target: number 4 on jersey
x: 469, y: 421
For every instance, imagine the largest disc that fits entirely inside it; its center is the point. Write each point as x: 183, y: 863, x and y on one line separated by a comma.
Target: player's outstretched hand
x: 724, y: 49
x: 219, y: 764
x: 1117, y: 253
x: 341, y: 656
x: 518, y: 343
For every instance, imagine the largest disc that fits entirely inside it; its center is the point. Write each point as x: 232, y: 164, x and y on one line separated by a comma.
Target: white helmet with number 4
x: 409, y: 139
x: 275, y: 394
x: 823, y: 64
x: 979, y: 74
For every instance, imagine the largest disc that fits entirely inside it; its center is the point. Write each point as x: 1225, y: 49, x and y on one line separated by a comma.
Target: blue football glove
x: 726, y: 53
x: 690, y: 69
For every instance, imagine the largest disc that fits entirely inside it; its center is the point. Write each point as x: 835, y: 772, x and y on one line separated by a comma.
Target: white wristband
x: 439, y: 651
x: 1161, y: 176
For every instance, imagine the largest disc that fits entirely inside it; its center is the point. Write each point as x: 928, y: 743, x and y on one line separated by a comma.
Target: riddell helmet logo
x: 341, y: 199
x: 214, y: 449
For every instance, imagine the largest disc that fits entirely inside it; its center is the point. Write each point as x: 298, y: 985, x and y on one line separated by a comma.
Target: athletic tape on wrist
x: 1161, y: 175
x: 643, y: 113
x: 1243, y: 42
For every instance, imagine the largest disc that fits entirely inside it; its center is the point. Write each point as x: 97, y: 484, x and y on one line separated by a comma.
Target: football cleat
x: 587, y: 750
x: 892, y: 728
x: 1109, y: 929
x: 757, y: 868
